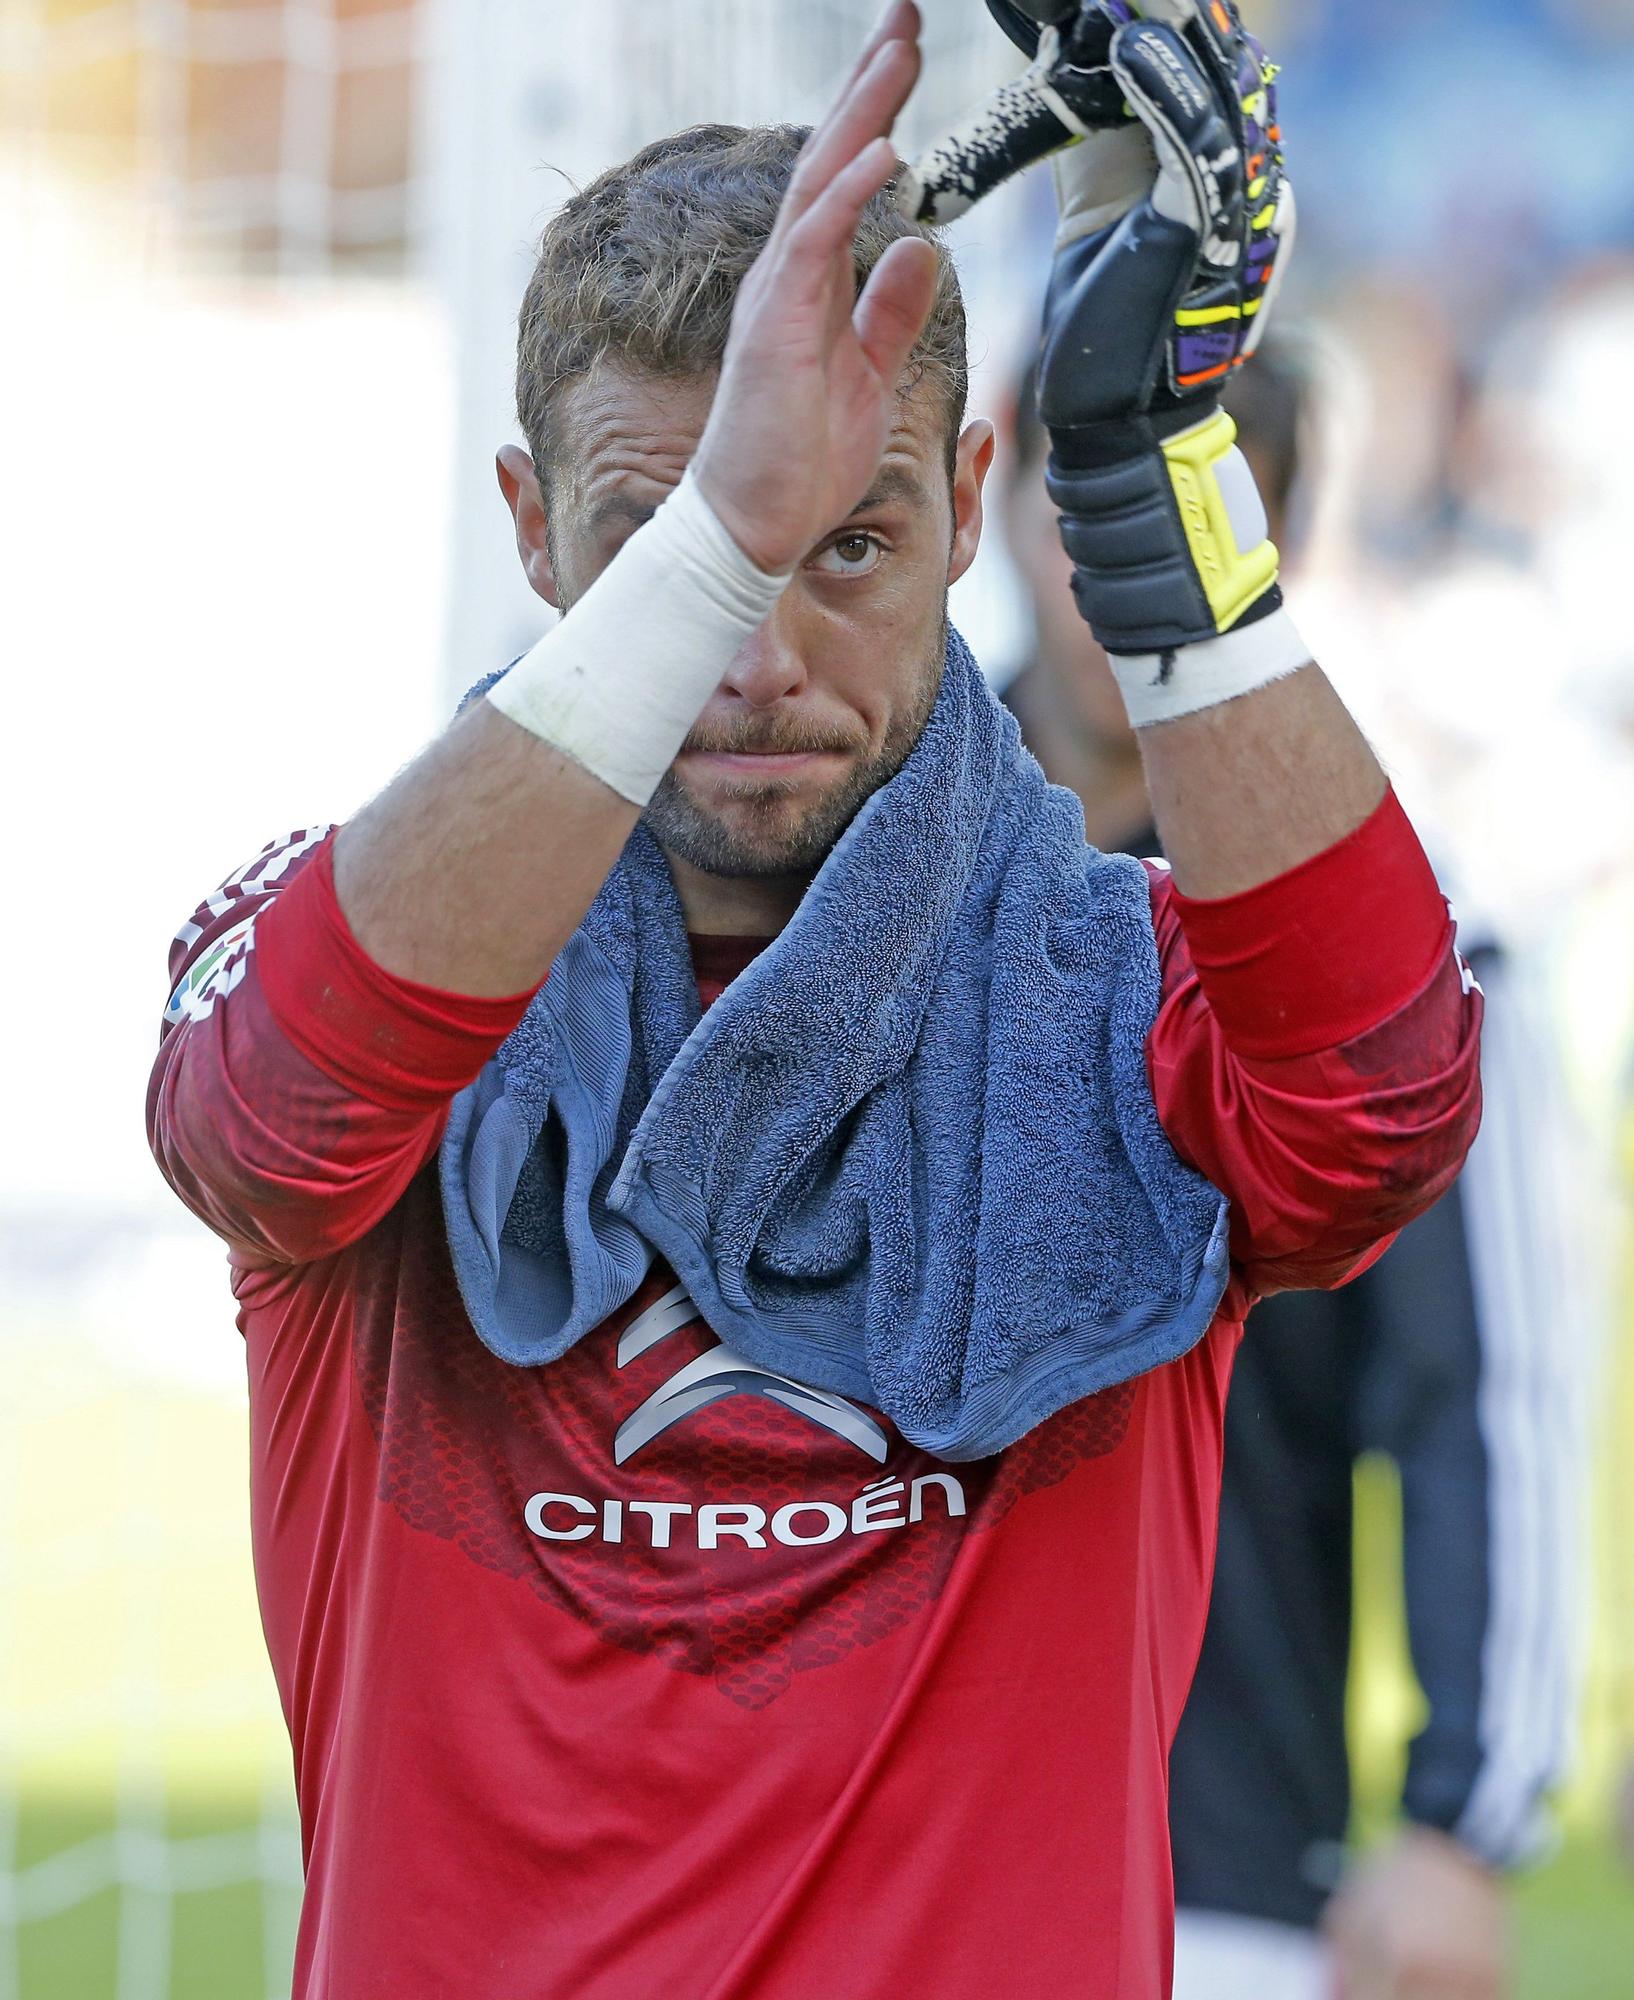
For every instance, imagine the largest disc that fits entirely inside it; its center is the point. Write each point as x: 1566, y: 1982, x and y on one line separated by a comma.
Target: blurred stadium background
x: 260, y: 264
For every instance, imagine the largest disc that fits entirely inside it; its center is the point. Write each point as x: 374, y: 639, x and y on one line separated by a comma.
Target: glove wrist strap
x: 1223, y: 517
x: 1167, y: 534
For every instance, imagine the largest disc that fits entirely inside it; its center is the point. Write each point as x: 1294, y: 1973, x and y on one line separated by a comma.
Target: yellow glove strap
x: 1224, y: 518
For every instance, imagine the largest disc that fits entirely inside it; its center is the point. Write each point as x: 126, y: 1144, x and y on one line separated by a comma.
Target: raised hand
x: 1195, y: 184
x: 1174, y: 228
x: 809, y: 381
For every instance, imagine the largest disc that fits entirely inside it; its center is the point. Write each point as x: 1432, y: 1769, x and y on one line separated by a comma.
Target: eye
x: 857, y: 553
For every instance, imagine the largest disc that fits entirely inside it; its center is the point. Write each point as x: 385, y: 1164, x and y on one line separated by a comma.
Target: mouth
x: 760, y: 763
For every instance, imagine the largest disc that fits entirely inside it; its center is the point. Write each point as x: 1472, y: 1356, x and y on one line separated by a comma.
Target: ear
x: 972, y: 463
x: 520, y: 485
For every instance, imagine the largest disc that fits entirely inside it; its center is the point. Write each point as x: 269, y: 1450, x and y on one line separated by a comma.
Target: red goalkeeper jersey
x: 651, y: 1675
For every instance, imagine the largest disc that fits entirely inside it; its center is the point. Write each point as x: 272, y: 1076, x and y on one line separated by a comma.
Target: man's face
x: 823, y: 703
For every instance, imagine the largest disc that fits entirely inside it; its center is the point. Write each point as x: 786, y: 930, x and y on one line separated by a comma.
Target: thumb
x: 895, y: 304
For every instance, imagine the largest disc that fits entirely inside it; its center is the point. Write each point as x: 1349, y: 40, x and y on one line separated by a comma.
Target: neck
x: 1105, y: 772
x: 735, y: 905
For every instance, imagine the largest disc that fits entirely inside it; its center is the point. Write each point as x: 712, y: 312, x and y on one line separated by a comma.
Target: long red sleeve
x: 1316, y: 1052
x: 300, y: 1086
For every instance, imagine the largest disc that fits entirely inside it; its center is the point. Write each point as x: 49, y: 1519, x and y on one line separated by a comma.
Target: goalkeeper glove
x: 1175, y: 221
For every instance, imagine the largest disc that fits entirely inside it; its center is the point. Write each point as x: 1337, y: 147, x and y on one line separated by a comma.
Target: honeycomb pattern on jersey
x: 466, y: 1439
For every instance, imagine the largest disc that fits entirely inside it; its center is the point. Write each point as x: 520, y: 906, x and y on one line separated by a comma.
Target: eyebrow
x: 895, y: 482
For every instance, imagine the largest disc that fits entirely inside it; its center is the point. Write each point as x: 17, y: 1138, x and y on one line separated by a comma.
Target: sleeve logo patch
x: 212, y: 975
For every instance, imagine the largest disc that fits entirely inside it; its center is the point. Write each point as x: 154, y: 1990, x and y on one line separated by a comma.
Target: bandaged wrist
x: 619, y: 681
x: 1157, y: 687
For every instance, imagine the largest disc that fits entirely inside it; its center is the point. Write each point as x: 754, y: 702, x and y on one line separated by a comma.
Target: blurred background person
x: 1446, y: 1357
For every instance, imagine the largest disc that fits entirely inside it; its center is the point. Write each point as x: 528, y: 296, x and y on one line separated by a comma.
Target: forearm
x: 1252, y: 764
x: 473, y: 869
x: 1246, y: 790
x: 478, y: 862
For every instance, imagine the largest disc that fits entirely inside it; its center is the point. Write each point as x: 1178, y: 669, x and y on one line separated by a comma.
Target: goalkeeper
x: 741, y: 1221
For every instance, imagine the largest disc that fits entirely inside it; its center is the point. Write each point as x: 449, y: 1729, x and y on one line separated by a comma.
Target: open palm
x: 809, y: 380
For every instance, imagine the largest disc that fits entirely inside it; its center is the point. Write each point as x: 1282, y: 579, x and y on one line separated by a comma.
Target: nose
x: 768, y: 666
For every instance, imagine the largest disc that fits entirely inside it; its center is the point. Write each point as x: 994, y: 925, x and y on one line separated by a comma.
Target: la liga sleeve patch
x: 213, y: 974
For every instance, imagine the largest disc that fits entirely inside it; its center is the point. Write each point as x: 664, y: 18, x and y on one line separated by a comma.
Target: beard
x: 767, y: 834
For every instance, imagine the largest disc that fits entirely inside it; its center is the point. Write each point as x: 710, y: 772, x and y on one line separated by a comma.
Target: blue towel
x: 910, y: 1155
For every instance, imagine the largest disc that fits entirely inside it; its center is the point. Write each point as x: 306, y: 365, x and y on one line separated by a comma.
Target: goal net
x: 260, y: 138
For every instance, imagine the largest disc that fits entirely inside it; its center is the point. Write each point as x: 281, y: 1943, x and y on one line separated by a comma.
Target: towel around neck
x: 909, y: 1156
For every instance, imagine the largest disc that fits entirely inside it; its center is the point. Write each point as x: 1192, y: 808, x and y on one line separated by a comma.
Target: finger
x: 1215, y: 24
x: 900, y: 22
x: 867, y: 111
x: 895, y: 305
x: 1200, y: 179
x: 1285, y: 230
x: 830, y: 224
x: 1066, y: 91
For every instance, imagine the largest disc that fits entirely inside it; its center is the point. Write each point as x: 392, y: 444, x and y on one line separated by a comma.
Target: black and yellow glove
x: 1176, y: 220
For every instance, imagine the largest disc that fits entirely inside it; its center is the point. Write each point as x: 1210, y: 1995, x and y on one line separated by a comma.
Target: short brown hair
x: 643, y: 268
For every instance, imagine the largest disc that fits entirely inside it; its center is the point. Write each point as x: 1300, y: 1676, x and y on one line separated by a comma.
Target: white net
x: 272, y: 138
x: 171, y: 175
x: 147, y: 1837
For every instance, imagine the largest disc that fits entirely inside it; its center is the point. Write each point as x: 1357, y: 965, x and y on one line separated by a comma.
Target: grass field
x: 1574, y: 1923
x: 144, y: 1787
x: 228, y: 1942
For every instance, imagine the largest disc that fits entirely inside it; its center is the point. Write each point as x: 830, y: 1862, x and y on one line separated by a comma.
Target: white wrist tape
x: 619, y: 681
x: 1210, y: 672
